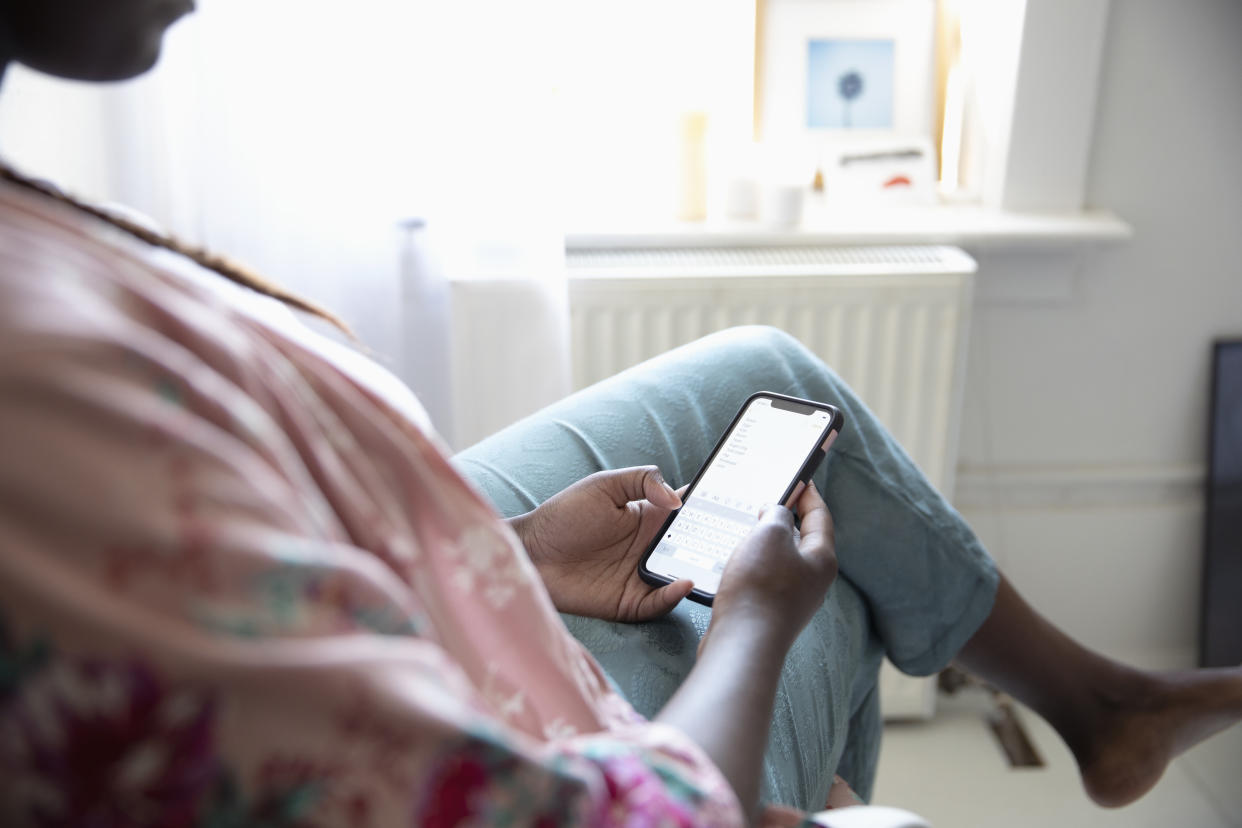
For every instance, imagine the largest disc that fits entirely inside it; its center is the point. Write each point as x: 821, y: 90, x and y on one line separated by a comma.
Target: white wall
x: 1085, y: 425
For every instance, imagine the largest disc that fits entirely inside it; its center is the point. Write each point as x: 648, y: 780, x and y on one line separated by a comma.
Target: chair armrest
x: 869, y: 816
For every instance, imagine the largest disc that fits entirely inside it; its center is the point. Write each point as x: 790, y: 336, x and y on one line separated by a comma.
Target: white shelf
x: 728, y: 262
x: 968, y: 226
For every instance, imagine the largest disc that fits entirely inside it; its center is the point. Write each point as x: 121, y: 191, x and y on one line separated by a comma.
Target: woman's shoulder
x: 67, y: 276
x: 59, y: 273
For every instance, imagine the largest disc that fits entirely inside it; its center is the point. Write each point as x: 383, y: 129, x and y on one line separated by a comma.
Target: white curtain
x: 296, y: 135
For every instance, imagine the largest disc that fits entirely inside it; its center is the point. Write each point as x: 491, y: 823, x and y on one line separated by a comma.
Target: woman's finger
x: 817, y: 542
x: 656, y: 490
x: 778, y: 515
x: 661, y: 601
x: 638, y: 483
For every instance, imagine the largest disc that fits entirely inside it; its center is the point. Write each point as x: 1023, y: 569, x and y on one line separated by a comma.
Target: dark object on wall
x: 1220, y: 631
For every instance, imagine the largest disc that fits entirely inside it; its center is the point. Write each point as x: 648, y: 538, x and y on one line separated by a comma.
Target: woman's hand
x: 587, y: 541
x: 770, y: 588
x: 776, y: 578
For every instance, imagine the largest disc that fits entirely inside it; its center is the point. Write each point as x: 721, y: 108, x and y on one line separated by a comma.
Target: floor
x: 952, y: 771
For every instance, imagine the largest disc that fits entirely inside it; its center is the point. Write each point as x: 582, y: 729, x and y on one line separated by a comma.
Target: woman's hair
x: 231, y: 270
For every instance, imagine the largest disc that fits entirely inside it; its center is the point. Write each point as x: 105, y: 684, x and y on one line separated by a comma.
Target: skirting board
x: 1011, y: 487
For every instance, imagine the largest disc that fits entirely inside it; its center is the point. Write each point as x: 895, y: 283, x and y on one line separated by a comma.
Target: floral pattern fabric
x: 238, y: 585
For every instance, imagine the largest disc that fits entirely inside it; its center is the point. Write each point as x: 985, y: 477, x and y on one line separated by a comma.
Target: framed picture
x: 854, y: 69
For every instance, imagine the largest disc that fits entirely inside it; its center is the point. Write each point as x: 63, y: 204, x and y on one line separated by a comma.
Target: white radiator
x: 892, y: 321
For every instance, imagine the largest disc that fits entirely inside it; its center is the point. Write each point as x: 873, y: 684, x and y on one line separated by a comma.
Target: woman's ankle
x: 1145, y: 720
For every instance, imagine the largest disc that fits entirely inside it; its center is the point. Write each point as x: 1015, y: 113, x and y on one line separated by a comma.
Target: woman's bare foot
x: 1123, y: 725
x: 1130, y: 740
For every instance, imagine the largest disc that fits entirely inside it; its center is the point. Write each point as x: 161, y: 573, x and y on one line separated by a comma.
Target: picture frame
x: 843, y: 69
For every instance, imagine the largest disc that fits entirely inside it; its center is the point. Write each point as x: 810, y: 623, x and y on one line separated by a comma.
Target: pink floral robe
x: 236, y: 582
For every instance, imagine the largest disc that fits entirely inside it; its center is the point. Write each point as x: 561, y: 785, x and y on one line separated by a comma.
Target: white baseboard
x: 906, y: 698
x: 980, y: 487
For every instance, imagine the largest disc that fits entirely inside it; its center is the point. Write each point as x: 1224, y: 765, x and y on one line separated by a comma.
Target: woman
x: 241, y: 581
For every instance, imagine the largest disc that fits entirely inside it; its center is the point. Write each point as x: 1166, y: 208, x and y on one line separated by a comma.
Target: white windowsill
x: 965, y: 225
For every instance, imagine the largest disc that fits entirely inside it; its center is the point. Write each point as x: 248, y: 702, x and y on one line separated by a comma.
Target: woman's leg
x: 1122, y: 725
x: 670, y: 412
x: 927, y: 580
x: 930, y: 589
x: 928, y: 583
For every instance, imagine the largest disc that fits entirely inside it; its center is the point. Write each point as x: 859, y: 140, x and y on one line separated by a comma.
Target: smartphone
x: 765, y: 456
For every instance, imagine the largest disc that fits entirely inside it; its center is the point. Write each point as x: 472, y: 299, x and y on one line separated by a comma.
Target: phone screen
x: 756, y: 465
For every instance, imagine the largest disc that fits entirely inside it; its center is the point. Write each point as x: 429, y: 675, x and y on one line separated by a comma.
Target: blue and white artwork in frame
x: 828, y: 70
x: 849, y: 83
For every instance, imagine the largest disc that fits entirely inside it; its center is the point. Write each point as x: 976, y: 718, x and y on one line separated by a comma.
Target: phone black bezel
x: 809, y: 464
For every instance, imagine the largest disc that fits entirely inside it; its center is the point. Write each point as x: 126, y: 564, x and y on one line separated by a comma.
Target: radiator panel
x: 895, y: 332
